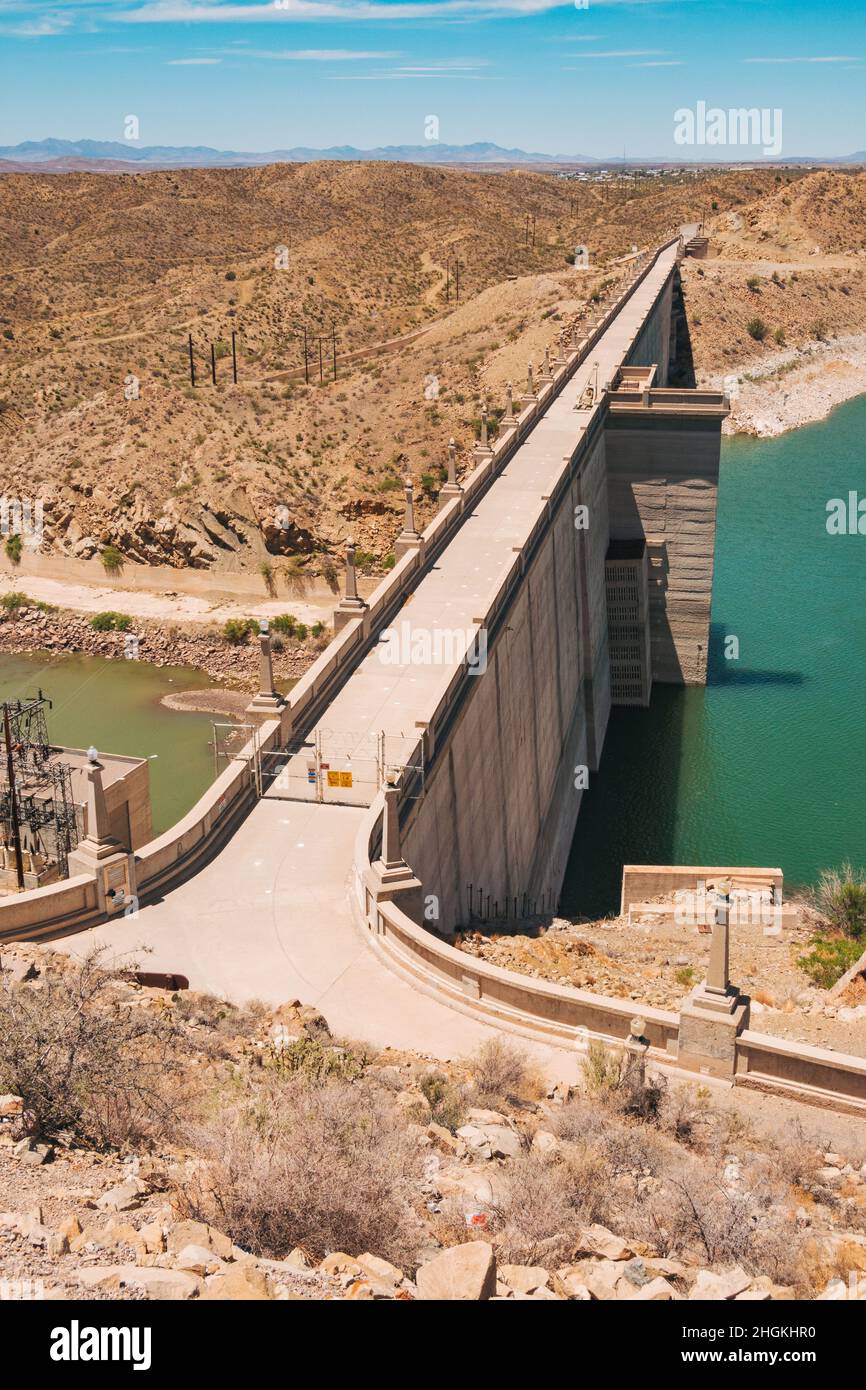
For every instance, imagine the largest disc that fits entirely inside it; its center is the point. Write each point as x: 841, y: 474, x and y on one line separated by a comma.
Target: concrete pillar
x: 452, y: 488
x: 392, y: 857
x: 268, y: 702
x: 390, y: 876
x: 718, y: 981
x: 409, y: 538
x: 529, y: 396
x: 97, y: 823
x: 546, y: 374
x: 636, y: 1049
x: 715, y: 1012
x: 482, y: 449
x: 350, y: 605
x: 99, y: 853
x: 509, y: 418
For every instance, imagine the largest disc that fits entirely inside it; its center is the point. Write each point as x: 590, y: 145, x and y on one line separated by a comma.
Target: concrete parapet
x: 571, y: 1018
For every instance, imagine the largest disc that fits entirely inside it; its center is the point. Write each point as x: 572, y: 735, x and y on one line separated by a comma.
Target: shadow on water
x: 721, y: 670
x: 629, y: 810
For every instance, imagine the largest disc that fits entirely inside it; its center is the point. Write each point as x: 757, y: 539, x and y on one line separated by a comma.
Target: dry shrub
x: 327, y: 1167
x: 446, y: 1101
x: 86, y: 1065
x: 796, y: 1159
x: 502, y: 1071
x: 539, y: 1216
x: 613, y: 1080
x: 723, y: 1223
x: 218, y: 1015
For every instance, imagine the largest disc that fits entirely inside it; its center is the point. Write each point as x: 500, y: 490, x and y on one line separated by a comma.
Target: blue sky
x: 600, y: 80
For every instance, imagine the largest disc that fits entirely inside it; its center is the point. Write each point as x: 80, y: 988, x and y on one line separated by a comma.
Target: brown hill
x: 107, y: 275
x: 790, y: 266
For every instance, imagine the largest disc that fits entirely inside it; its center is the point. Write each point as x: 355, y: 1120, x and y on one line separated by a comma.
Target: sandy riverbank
x: 792, y: 387
x: 232, y: 703
x: 161, y: 607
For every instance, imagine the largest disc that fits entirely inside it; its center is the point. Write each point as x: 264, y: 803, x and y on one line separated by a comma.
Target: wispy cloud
x: 659, y: 63
x: 229, y: 11
x: 316, y: 55
x: 618, y: 53
x: 192, y: 62
x: 844, y: 58
x: 44, y: 27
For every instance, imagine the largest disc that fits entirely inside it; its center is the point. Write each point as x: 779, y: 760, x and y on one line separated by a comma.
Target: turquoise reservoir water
x: 767, y: 765
x: 116, y: 705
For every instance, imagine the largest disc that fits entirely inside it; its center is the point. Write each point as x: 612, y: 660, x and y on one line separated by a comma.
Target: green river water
x: 764, y: 766
x: 116, y: 706
x: 767, y: 765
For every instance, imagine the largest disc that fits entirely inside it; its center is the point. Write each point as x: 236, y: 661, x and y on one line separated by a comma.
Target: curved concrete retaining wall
x: 535, y: 1008
x: 569, y: 1017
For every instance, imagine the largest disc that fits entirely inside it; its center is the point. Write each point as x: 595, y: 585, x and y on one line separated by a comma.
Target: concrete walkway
x: 270, y: 918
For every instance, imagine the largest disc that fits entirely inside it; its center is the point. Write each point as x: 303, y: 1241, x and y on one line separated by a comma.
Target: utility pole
x: 306, y: 359
x: 234, y: 359
x: 191, y: 362
x: 213, y: 363
x: 321, y: 375
x: 334, y: 348
x: 13, y: 800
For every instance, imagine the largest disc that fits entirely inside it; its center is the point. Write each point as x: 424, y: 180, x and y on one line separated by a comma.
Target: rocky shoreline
x: 784, y: 390
x: 29, y: 629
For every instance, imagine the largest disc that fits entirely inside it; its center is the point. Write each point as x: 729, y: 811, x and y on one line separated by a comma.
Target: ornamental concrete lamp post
x: 529, y: 397
x: 452, y: 488
x: 350, y: 605
x: 99, y: 853
x: 409, y: 538
x: 482, y: 449
x: 390, y: 875
x: 715, y: 1012
x: 509, y: 418
x: 268, y: 702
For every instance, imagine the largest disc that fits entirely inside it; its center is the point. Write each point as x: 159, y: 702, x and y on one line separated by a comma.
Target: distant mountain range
x: 115, y: 154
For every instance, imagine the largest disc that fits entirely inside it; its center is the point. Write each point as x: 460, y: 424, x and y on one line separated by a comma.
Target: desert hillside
x: 107, y: 275
x: 780, y: 304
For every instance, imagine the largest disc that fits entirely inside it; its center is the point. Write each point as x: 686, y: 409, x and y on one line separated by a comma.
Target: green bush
x: 285, y: 622
x: 829, y: 958
x: 112, y: 559
x: 757, y: 329
x: 111, y: 622
x: 15, y: 600
x: 237, y: 630
x: 13, y: 548
x: 840, y: 897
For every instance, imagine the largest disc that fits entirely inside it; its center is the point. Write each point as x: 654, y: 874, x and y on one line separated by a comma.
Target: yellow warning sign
x: 339, y: 779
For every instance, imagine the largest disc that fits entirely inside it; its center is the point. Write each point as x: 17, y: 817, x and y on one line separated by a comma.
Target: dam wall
x: 492, y: 833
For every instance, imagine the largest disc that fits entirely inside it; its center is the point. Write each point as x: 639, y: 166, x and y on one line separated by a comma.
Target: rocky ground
x: 472, y: 1180
x: 30, y: 629
x: 657, y: 962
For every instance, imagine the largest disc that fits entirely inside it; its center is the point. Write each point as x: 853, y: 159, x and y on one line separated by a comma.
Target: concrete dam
x: 426, y: 773
x: 582, y: 574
